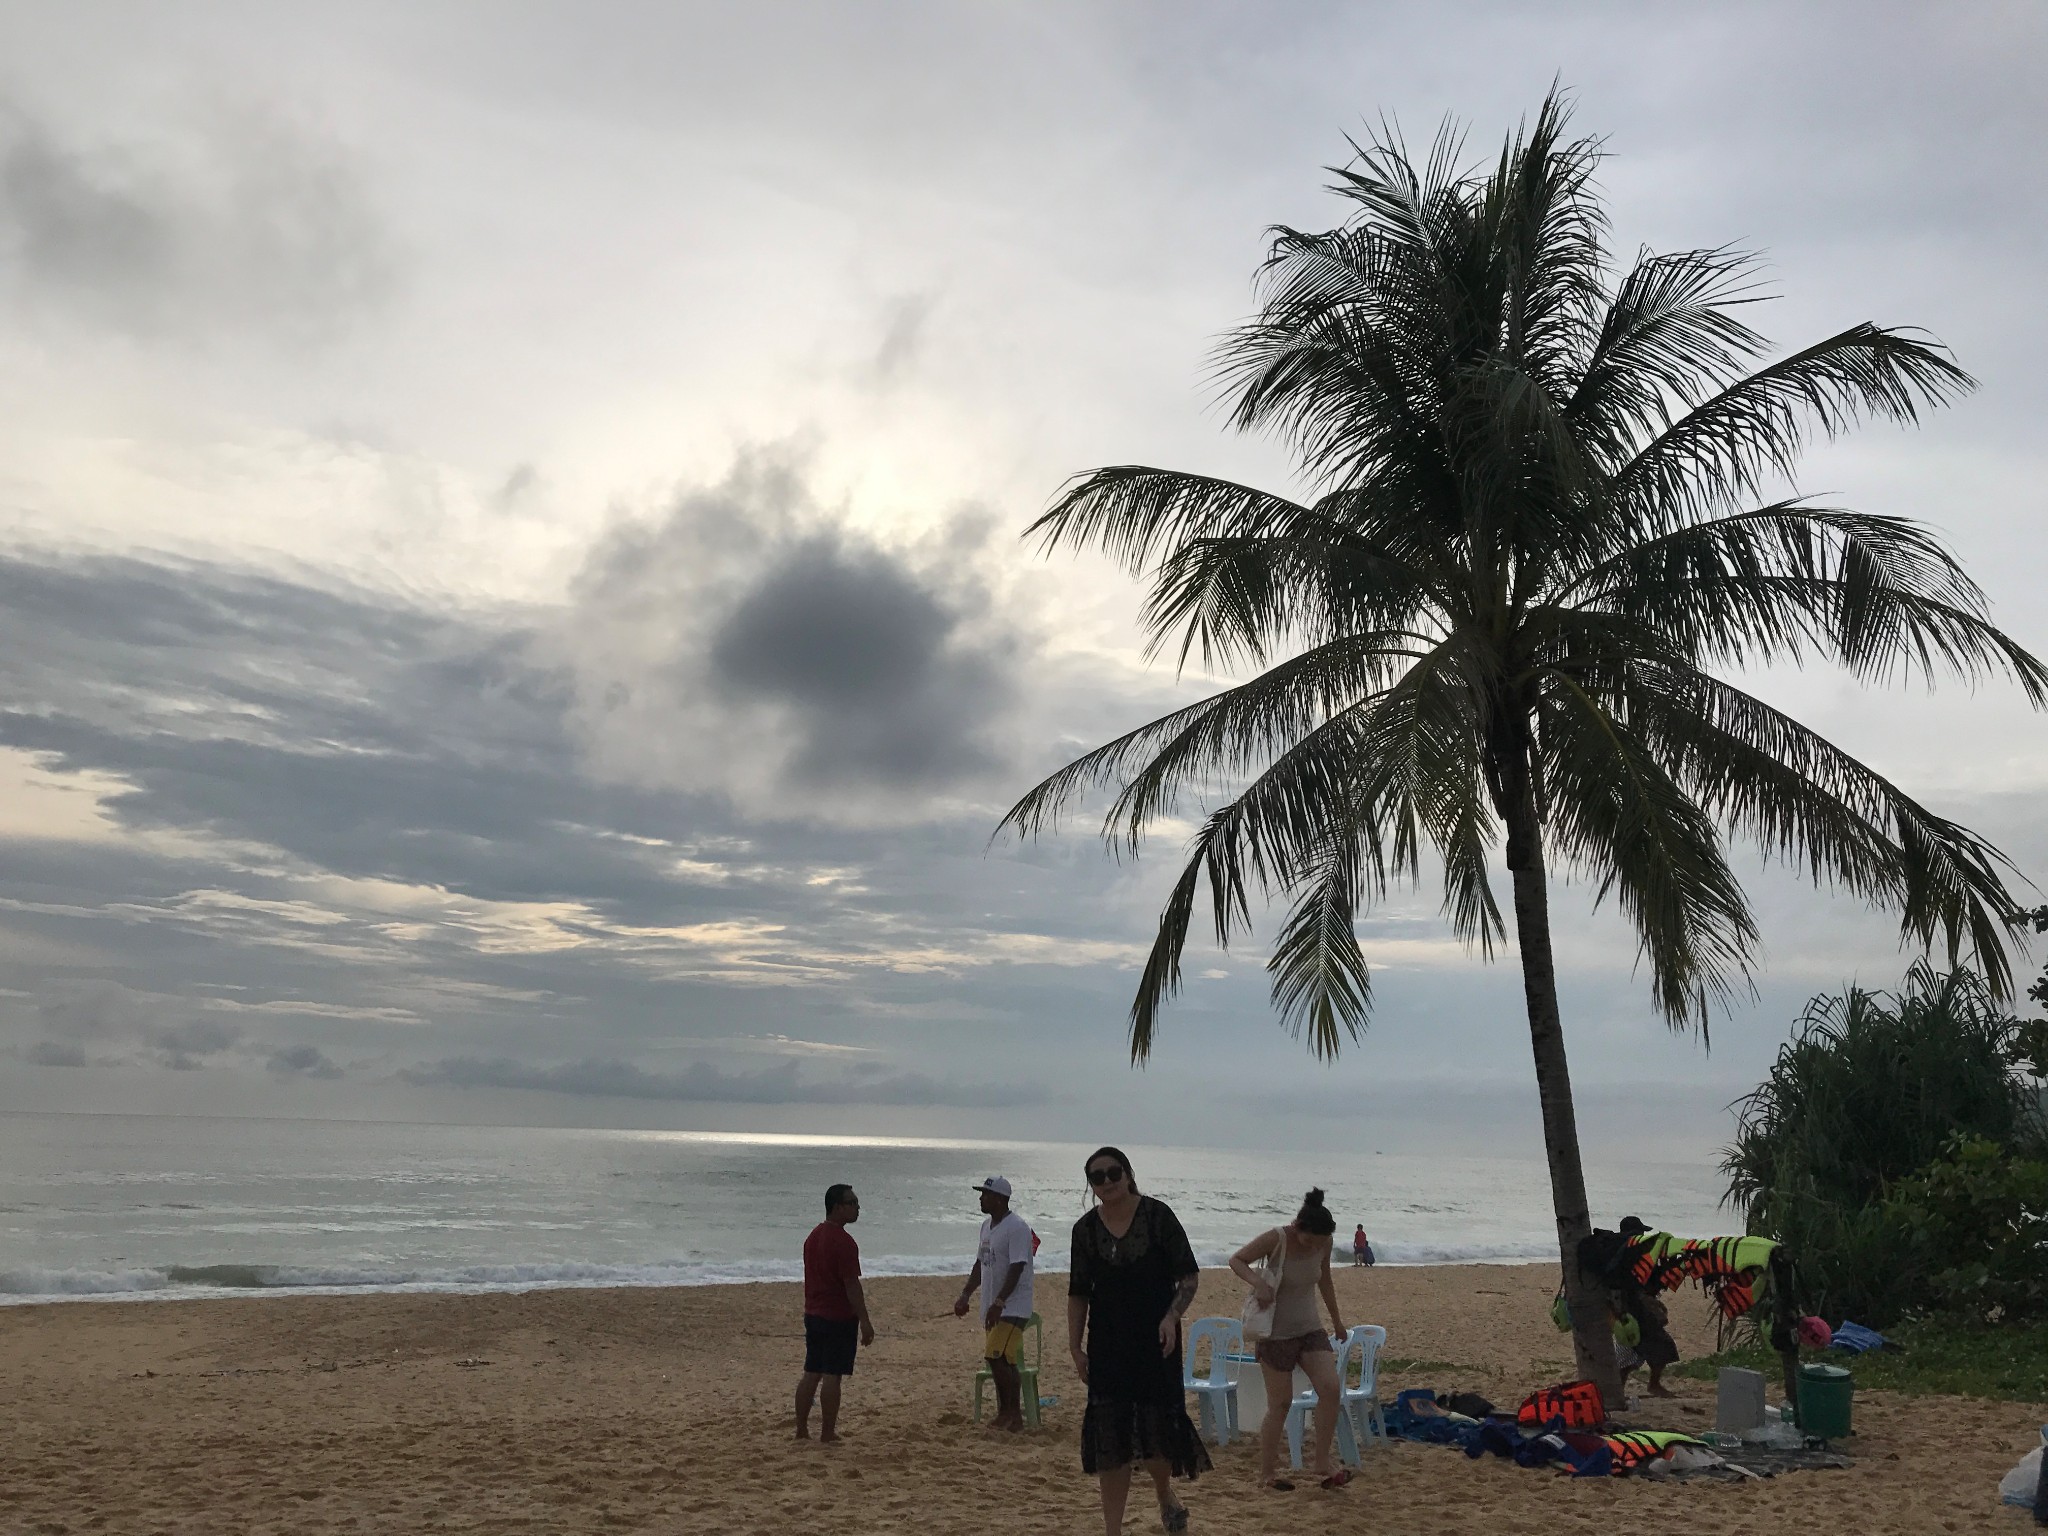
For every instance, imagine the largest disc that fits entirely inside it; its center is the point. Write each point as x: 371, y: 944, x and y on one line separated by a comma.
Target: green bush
x: 1874, y: 1089
x: 1972, y: 1233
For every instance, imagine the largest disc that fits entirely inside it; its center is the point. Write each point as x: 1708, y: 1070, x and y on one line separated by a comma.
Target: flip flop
x: 1279, y: 1485
x: 1338, y: 1478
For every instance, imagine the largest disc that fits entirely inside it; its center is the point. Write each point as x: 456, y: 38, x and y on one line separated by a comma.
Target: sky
x: 509, y: 539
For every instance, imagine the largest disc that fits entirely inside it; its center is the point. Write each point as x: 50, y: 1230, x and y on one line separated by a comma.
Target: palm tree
x: 1536, y: 534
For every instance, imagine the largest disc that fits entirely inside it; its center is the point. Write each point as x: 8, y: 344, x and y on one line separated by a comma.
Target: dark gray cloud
x: 701, y: 1082
x: 749, y: 642
x: 868, y: 661
x: 149, y: 1028
x: 249, y: 223
x: 56, y: 1053
x: 301, y: 1060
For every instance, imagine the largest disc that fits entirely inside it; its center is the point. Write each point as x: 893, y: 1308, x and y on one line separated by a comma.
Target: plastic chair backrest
x: 1362, y: 1345
x: 1224, y: 1336
x: 1035, y: 1331
x: 1343, y: 1361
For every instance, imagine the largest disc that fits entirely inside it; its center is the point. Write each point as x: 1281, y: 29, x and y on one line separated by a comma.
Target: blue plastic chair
x: 1218, y: 1390
x: 1304, y: 1404
x: 1362, y: 1402
x: 1027, y: 1374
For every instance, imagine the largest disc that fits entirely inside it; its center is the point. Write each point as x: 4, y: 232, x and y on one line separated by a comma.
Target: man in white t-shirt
x: 1002, y: 1268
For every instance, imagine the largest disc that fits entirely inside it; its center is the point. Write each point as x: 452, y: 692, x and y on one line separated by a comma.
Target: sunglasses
x: 1108, y: 1174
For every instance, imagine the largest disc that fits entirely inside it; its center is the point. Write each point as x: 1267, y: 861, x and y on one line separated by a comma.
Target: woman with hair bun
x: 1297, y: 1260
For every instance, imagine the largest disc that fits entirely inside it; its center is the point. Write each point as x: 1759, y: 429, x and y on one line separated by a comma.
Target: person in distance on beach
x: 1003, y: 1267
x: 1300, y: 1251
x: 835, y: 1312
x: 1361, y: 1247
x: 1132, y: 1279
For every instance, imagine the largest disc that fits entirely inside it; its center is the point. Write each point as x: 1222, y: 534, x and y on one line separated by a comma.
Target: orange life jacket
x: 1576, y: 1403
x: 1631, y: 1449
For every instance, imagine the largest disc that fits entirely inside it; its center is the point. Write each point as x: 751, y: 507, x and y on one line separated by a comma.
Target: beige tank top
x: 1294, y: 1313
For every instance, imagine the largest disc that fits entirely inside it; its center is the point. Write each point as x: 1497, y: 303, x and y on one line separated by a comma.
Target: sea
x: 136, y: 1206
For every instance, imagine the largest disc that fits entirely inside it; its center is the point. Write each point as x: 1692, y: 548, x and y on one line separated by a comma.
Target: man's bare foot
x: 829, y: 1439
x: 1660, y: 1392
x: 803, y: 1431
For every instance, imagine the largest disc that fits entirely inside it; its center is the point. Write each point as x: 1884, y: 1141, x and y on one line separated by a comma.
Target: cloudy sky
x: 508, y: 535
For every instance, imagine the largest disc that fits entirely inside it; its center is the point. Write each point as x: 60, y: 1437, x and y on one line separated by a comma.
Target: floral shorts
x: 1285, y: 1354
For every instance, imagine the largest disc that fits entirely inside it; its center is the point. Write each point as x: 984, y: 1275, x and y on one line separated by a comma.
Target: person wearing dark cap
x: 1637, y: 1296
x: 1002, y: 1267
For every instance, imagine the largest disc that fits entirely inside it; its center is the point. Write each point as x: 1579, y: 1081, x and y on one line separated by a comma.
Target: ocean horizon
x: 124, y: 1207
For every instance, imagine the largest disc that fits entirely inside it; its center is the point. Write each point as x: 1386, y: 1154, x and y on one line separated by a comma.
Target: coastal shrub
x: 1873, y: 1089
x: 1971, y: 1232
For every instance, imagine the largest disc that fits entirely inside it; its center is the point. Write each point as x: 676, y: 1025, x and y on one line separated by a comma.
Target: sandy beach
x: 668, y: 1411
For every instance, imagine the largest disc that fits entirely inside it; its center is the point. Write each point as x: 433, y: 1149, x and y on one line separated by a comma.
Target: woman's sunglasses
x: 1107, y: 1174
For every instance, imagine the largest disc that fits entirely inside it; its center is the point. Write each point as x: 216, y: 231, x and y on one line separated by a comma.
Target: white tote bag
x: 1258, y: 1320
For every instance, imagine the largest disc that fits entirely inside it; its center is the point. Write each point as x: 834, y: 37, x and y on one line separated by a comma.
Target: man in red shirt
x: 835, y: 1312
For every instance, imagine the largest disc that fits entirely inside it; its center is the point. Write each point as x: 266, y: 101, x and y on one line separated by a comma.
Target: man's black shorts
x: 829, y: 1345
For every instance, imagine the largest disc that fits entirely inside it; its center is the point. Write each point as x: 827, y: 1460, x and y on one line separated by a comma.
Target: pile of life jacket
x: 1727, y: 1268
x: 1584, y: 1454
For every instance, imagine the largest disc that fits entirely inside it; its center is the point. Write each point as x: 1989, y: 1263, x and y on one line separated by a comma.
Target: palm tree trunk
x: 1592, y: 1335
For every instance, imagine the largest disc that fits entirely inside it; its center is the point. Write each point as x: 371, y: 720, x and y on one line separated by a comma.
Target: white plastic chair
x: 1362, y: 1402
x: 1304, y: 1404
x: 1218, y: 1390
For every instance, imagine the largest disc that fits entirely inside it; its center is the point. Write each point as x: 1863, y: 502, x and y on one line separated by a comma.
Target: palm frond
x: 1668, y: 338
x: 1322, y: 987
x: 1616, y: 812
x: 1723, y: 448
x: 1879, y: 596
x: 1803, y: 799
x: 1133, y: 513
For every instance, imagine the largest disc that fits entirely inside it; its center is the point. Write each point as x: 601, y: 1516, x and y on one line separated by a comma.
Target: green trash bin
x: 1824, y: 1394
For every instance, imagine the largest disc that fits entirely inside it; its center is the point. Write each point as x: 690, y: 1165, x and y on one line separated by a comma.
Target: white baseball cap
x: 995, y: 1184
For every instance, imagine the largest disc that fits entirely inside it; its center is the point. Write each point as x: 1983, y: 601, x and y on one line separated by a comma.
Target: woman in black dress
x: 1133, y: 1278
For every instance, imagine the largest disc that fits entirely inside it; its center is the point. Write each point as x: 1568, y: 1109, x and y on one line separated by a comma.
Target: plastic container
x: 1774, y: 1435
x: 1825, y: 1394
x: 1738, y: 1400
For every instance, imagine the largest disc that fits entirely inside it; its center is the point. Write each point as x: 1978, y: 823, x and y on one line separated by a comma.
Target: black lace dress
x: 1137, y: 1407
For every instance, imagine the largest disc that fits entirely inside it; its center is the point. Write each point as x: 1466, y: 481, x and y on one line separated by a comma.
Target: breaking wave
x: 18, y: 1286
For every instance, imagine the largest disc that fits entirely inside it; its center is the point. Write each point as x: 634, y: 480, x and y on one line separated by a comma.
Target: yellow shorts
x: 1005, y: 1342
